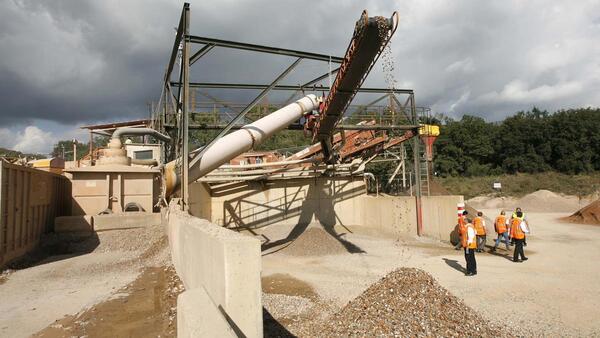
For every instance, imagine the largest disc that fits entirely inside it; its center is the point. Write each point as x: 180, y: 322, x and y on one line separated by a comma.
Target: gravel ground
x: 406, y: 302
x: 75, y: 271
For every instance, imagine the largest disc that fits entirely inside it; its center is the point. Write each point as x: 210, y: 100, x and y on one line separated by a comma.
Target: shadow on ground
x: 453, y: 263
x: 272, y: 328
x: 55, y: 247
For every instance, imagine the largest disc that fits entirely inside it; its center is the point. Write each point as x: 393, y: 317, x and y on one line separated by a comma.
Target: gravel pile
x: 590, y: 214
x: 315, y: 242
x: 139, y: 247
x: 408, y: 303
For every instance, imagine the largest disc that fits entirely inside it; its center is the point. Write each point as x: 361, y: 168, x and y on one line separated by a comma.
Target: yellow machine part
x: 429, y: 130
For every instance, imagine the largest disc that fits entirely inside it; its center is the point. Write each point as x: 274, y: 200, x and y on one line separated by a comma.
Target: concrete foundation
x: 225, y: 265
x: 126, y: 220
x: 74, y: 224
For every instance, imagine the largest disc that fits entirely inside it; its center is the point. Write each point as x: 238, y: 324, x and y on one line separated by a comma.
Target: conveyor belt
x: 370, y: 37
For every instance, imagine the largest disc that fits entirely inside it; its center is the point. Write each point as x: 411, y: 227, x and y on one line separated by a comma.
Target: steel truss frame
x: 175, y: 94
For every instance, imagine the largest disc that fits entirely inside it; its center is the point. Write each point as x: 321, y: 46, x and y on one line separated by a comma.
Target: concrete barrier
x: 224, y: 264
x: 199, y: 316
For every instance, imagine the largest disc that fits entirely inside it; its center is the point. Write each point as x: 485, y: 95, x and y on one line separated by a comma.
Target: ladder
x: 425, y: 174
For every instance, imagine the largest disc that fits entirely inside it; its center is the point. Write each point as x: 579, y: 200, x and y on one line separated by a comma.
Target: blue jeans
x: 502, y: 235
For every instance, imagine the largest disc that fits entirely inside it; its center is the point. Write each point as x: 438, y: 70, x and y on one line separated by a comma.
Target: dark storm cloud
x: 73, y: 62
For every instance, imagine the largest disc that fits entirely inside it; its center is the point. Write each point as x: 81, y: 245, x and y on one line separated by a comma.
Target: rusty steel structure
x: 174, y: 114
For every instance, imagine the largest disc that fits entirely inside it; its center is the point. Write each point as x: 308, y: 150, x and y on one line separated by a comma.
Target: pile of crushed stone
x: 315, y: 242
x: 408, y: 302
x: 590, y: 214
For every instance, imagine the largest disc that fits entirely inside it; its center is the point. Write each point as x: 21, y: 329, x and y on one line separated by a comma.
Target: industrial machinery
x: 370, y: 37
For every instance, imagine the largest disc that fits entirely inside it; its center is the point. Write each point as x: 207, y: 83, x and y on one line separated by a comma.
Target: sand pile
x: 589, y: 214
x: 539, y: 201
x: 406, y: 303
x: 489, y: 202
x: 547, y: 201
x: 315, y: 242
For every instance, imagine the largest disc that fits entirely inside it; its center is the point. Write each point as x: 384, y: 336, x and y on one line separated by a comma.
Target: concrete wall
x: 439, y: 216
x: 30, y: 199
x: 222, y: 265
x: 340, y: 201
x: 255, y: 204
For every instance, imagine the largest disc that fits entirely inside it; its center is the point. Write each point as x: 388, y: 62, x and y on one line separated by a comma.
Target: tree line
x: 567, y: 141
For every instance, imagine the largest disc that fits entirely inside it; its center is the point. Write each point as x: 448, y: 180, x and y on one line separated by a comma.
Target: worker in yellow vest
x: 518, y: 229
x: 469, y: 243
x: 501, y: 227
x: 479, y: 225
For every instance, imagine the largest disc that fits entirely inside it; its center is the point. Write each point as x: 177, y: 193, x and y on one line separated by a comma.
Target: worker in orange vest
x: 469, y: 243
x: 501, y: 227
x: 479, y: 225
x: 462, y: 229
x: 518, y: 229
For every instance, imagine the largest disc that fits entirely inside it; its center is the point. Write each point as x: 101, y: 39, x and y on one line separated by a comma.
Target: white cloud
x: 518, y: 91
x: 466, y: 66
x: 33, y: 139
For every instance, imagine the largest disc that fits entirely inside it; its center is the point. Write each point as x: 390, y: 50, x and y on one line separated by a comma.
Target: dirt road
x: 554, y: 293
x: 77, y: 273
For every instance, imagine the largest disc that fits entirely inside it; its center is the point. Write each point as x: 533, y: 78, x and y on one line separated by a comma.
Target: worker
x: 462, y: 229
x: 469, y: 244
x: 479, y: 225
x: 500, y: 225
x: 522, y: 218
x: 518, y: 229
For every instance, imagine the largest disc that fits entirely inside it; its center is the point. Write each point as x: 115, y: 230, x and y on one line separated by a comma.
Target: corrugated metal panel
x: 30, y: 199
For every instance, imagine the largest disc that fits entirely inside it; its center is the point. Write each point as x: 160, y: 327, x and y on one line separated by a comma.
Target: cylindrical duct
x: 119, y: 132
x: 240, y: 141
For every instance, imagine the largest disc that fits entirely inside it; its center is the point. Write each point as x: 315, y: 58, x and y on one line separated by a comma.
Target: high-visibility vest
x: 462, y: 231
x: 478, y: 225
x: 500, y: 224
x: 515, y: 229
x: 473, y: 244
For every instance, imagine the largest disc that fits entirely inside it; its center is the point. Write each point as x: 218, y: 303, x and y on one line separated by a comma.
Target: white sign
x: 497, y: 185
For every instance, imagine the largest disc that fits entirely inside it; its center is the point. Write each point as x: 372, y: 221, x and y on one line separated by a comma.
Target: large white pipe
x: 240, y: 141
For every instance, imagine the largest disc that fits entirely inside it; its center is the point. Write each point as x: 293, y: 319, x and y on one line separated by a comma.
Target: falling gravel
x: 407, y: 302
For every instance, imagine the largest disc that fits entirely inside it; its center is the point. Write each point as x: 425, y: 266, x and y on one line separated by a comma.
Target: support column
x: 417, y: 169
x: 185, y: 64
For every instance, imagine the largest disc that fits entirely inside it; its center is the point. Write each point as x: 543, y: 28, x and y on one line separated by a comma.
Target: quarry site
x: 153, y: 235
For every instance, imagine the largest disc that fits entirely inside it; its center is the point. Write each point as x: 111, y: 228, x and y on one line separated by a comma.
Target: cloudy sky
x: 66, y: 63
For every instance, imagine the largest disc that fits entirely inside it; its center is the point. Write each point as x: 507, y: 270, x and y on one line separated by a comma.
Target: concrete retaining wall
x: 222, y: 265
x: 30, y: 199
x: 339, y: 201
x: 254, y: 204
